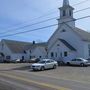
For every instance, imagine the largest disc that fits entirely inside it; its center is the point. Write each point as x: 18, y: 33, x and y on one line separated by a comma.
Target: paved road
x: 18, y: 79
x: 12, y: 85
x: 16, y: 84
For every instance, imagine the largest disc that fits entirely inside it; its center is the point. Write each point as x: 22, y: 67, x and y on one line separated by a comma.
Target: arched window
x: 65, y: 54
x: 52, y: 54
x: 70, y: 13
x: 64, y: 13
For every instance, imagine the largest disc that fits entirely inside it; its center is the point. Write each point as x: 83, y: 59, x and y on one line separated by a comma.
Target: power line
x: 80, y: 2
x: 45, y: 15
x: 42, y: 21
x: 55, y: 11
x: 31, y: 24
x: 82, y: 9
x: 42, y: 27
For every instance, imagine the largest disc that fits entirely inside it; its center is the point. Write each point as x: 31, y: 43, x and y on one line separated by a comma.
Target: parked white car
x: 44, y: 64
x: 78, y: 61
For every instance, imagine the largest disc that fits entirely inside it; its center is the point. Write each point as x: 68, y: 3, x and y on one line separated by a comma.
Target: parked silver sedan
x: 78, y: 61
x: 44, y: 64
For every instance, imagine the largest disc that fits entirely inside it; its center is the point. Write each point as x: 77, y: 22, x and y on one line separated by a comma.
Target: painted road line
x: 35, y: 82
x: 49, y: 76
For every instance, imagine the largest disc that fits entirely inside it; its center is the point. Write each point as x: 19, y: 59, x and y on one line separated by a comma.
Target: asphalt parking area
x: 79, y: 74
x: 70, y: 77
x: 76, y: 73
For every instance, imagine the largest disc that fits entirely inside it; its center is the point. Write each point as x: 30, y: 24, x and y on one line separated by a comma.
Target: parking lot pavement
x: 74, y: 73
x: 72, y: 77
x: 79, y: 74
x: 12, y: 66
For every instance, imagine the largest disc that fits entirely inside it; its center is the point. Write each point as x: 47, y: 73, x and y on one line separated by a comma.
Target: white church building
x: 67, y: 42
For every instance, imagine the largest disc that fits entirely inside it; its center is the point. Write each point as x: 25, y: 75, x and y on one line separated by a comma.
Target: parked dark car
x: 34, y: 60
x: 60, y: 63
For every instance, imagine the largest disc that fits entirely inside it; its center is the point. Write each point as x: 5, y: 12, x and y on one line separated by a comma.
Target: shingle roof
x: 67, y: 44
x: 83, y: 34
x: 20, y: 47
x: 16, y: 46
x: 32, y: 46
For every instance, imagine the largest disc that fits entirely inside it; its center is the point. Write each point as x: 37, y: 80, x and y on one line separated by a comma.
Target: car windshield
x: 41, y: 62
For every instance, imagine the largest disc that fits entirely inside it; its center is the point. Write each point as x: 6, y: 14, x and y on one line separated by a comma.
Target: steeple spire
x: 66, y: 13
x: 65, y: 2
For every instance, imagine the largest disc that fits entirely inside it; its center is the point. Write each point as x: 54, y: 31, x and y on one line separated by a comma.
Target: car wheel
x: 86, y: 65
x: 54, y: 67
x: 68, y: 63
x: 82, y: 64
x: 42, y: 68
x: 60, y: 63
x: 34, y: 70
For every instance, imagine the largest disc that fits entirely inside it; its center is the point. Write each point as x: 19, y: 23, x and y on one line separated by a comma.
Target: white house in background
x: 12, y: 50
x: 37, y: 50
x: 68, y: 41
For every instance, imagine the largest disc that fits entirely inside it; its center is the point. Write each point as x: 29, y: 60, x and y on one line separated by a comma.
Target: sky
x: 15, y: 14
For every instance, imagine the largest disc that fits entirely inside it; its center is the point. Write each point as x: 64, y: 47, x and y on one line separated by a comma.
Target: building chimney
x: 33, y: 42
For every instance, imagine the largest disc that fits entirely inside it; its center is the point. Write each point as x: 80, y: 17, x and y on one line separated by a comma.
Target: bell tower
x: 66, y: 14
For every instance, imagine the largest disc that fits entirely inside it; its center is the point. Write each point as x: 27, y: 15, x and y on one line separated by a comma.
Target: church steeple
x: 66, y: 12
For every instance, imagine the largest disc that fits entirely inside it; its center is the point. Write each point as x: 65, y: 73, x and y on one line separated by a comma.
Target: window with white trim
x: 64, y: 13
x: 52, y: 54
x: 65, y: 54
